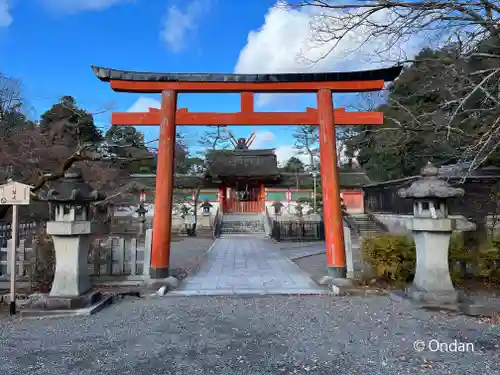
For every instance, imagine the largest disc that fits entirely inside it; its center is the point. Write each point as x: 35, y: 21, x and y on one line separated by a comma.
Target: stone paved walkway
x: 246, y: 265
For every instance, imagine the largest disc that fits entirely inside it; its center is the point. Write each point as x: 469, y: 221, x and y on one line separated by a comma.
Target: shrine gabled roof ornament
x: 242, y: 143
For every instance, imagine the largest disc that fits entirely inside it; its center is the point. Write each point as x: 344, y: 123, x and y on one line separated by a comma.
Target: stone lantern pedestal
x: 71, y: 245
x: 431, y: 229
x: 70, y: 229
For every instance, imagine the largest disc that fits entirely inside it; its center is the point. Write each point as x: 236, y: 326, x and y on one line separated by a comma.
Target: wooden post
x: 334, y: 231
x: 13, y: 268
x: 162, y: 225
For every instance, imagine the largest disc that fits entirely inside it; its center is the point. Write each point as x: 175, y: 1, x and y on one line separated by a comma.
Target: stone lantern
x: 141, y: 212
x: 70, y: 229
x: 206, y: 206
x: 277, y: 205
x: 432, y: 229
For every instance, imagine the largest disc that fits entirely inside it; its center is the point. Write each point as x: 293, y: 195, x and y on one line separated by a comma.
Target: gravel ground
x: 266, y: 335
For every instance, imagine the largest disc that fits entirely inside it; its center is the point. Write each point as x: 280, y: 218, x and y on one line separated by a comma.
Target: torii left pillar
x: 162, y: 221
x: 334, y: 228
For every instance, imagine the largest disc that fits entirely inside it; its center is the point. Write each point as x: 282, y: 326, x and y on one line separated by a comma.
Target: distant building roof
x: 348, y: 179
x: 451, y: 171
x: 462, y: 169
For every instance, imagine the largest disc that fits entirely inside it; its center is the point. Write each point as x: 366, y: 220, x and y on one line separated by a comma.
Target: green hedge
x: 393, y: 257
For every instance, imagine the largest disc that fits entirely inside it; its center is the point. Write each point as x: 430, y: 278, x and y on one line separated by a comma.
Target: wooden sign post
x: 14, y: 194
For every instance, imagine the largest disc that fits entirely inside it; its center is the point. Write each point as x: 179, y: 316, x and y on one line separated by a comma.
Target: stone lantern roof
x: 141, y: 210
x: 206, y: 204
x: 429, y: 185
x: 72, y: 189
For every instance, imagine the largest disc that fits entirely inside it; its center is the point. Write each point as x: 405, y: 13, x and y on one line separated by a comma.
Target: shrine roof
x: 385, y: 74
x: 354, y: 179
x: 348, y: 179
x: 242, y: 163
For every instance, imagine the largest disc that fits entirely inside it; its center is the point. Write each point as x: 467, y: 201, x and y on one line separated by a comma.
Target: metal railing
x: 217, y: 224
x: 298, y: 231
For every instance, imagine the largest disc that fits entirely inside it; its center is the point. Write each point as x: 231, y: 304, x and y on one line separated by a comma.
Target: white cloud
x: 75, y: 6
x: 143, y: 104
x: 284, y: 153
x: 5, y: 16
x: 263, y: 139
x: 178, y: 24
x: 286, y: 43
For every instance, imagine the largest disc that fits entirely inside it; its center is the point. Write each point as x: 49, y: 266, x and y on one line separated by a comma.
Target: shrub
x: 390, y: 256
x: 488, y: 264
x: 393, y: 257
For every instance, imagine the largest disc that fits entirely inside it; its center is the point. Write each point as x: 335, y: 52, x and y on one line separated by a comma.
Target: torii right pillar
x: 334, y: 230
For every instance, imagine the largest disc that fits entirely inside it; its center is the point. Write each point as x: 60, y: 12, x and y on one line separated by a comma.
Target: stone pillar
x: 71, y: 245
x: 432, y: 231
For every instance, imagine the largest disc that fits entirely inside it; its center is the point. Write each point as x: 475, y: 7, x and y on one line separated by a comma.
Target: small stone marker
x: 14, y: 194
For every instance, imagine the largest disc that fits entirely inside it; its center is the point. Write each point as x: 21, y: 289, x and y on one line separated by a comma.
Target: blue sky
x: 50, y: 44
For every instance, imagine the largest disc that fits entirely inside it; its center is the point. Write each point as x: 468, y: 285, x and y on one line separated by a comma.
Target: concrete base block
x: 477, y: 309
x: 462, y: 305
x: 402, y: 295
x: 53, y: 307
x: 435, y: 297
x: 169, y: 283
x: 338, y: 286
x: 68, y: 303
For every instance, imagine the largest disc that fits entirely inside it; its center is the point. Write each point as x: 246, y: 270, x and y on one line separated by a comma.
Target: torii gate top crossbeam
x: 146, y: 82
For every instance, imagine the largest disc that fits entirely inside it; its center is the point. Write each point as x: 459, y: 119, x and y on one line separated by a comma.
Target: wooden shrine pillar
x: 162, y: 222
x: 262, y: 198
x: 334, y: 231
x: 222, y: 197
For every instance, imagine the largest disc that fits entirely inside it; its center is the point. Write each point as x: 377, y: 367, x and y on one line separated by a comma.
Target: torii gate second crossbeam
x: 168, y: 117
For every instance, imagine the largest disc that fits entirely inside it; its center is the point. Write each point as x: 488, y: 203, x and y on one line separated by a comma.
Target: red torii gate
x: 325, y: 116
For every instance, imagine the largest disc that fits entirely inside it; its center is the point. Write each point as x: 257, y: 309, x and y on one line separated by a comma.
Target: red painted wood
x: 233, y: 205
x: 353, y: 200
x: 232, y: 87
x: 162, y: 221
x: 247, y: 102
x: 186, y: 118
x: 334, y: 230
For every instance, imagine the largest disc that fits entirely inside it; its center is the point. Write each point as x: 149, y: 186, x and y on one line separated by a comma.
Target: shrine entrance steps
x: 366, y: 225
x: 249, y: 224
x: 247, y: 266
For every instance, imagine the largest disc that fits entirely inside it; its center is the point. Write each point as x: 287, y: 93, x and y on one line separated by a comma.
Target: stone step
x: 249, y: 235
x: 242, y: 226
x: 240, y: 217
x: 234, y: 230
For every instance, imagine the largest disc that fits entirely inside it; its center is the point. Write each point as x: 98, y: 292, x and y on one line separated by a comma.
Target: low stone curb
x: 44, y: 314
x: 346, y: 287
x: 306, y: 255
x: 467, y: 306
